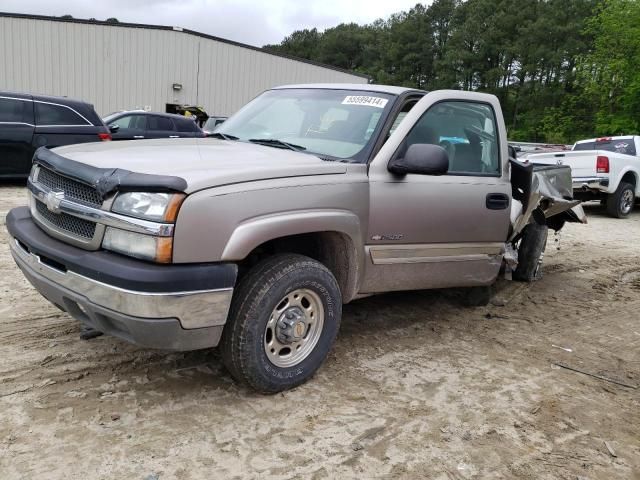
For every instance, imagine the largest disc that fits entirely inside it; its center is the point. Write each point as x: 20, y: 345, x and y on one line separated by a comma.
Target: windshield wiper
x: 223, y: 136
x: 274, y: 142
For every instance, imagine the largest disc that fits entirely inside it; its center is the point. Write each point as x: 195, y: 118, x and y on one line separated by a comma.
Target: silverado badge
x: 53, y: 200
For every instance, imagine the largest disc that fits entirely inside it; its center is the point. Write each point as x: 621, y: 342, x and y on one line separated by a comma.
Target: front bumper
x: 174, y: 307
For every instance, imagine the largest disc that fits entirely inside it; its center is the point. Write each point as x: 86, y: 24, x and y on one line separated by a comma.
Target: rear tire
x: 284, y: 318
x: 532, y: 245
x: 620, y: 203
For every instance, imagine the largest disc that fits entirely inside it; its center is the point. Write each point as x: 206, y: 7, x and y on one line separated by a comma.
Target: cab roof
x: 145, y: 112
x: 362, y: 87
x: 606, y: 139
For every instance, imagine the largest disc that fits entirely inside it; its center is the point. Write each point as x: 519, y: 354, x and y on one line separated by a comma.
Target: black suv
x: 31, y: 121
x: 138, y: 124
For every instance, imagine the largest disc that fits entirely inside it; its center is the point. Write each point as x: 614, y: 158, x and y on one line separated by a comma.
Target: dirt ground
x: 417, y: 386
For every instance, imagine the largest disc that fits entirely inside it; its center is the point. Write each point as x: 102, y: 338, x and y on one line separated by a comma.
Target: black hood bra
x: 108, y: 180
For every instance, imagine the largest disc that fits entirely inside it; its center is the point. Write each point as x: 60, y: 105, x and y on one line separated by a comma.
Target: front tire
x: 284, y: 319
x: 620, y: 203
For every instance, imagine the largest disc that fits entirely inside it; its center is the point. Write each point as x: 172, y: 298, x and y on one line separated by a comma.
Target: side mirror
x: 113, y: 128
x: 422, y: 159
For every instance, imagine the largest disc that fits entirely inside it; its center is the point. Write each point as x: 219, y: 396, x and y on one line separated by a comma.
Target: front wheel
x: 620, y: 203
x: 283, y: 321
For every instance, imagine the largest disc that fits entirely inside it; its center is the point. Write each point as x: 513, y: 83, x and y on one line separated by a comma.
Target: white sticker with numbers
x: 365, y: 100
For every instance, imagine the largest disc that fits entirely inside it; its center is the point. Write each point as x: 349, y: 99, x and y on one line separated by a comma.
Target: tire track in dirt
x: 416, y: 387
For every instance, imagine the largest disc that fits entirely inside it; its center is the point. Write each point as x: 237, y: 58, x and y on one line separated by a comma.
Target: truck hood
x: 200, y: 162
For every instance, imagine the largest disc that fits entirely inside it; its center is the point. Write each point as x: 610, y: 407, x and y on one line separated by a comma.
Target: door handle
x: 174, y: 136
x: 138, y: 136
x: 497, y: 201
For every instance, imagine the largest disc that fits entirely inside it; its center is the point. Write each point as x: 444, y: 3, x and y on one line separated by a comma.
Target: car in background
x: 526, y: 149
x: 28, y: 122
x: 139, y: 124
x: 211, y: 124
x: 605, y: 169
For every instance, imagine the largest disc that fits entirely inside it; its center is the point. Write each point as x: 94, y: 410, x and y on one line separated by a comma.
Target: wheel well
x: 335, y: 250
x: 630, y: 177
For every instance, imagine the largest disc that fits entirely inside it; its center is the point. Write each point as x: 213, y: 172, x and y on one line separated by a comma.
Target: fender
x: 622, y: 173
x: 256, y: 231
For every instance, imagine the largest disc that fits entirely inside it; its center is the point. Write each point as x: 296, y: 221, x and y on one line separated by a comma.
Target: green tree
x: 610, y: 73
x: 301, y: 43
x: 549, y: 61
x: 344, y: 46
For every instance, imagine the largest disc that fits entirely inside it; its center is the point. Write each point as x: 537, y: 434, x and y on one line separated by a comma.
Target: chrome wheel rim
x: 626, y: 202
x: 294, y: 328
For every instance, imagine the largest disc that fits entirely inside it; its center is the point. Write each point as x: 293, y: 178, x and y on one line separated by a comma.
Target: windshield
x: 625, y: 146
x: 332, y: 123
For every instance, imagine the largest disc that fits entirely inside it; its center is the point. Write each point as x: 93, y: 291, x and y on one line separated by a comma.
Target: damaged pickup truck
x: 309, y: 197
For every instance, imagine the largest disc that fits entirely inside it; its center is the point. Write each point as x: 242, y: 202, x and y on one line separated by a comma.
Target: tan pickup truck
x: 308, y: 198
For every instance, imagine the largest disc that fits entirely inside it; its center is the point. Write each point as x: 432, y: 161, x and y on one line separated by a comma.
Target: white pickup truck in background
x: 605, y: 169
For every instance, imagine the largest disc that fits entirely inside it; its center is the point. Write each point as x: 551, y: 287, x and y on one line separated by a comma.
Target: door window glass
x: 139, y: 122
x: 186, y: 125
x: 160, y: 123
x: 122, y: 122
x: 48, y: 114
x: 466, y: 130
x: 130, y: 121
x: 13, y: 111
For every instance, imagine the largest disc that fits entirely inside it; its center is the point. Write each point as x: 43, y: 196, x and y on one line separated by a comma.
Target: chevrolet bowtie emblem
x: 53, y: 200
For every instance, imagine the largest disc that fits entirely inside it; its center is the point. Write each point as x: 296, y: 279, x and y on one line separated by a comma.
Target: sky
x: 252, y: 22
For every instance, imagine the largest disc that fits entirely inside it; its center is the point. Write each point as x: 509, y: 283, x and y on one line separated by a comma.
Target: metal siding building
x: 119, y: 66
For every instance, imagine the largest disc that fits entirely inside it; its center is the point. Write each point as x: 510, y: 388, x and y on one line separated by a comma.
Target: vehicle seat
x: 338, y: 131
x: 422, y: 134
x: 466, y: 158
x: 419, y: 134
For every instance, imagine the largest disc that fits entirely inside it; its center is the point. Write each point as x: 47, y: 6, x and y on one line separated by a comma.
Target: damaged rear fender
x: 542, y: 194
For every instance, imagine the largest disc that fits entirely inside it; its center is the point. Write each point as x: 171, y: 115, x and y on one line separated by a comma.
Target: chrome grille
x: 72, y: 189
x: 66, y: 223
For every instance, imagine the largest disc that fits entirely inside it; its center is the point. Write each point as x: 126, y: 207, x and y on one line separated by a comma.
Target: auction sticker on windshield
x: 365, y: 100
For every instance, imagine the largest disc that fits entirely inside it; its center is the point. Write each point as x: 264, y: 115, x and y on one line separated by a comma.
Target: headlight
x: 146, y: 247
x: 33, y: 174
x: 157, y: 207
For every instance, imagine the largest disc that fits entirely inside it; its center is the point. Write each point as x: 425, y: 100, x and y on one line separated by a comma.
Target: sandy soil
x: 417, y: 386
